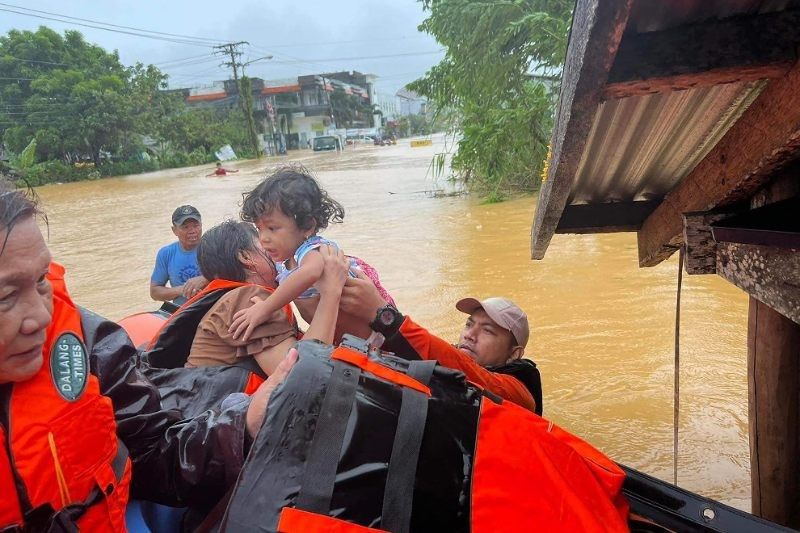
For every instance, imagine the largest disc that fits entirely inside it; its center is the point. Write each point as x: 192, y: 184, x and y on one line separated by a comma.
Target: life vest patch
x: 69, y: 366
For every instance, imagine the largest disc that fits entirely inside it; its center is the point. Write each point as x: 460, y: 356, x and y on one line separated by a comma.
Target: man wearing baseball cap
x: 489, y: 351
x: 176, y: 263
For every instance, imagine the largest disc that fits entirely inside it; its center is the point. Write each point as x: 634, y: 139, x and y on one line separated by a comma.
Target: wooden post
x: 773, y: 375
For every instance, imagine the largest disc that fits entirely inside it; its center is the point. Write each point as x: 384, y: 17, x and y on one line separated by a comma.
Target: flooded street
x: 602, y: 330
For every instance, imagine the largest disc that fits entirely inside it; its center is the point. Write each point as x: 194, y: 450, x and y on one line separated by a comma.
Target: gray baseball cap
x: 504, y: 312
x: 184, y: 213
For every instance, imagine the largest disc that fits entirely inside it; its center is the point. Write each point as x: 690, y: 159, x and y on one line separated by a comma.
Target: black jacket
x: 177, y: 459
x: 524, y: 370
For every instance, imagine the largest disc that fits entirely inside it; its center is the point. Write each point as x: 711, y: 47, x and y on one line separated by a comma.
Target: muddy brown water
x: 601, y: 328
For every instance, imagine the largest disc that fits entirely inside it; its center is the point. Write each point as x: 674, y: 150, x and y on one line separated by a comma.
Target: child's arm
x: 334, y: 274
x: 306, y: 275
x: 323, y: 325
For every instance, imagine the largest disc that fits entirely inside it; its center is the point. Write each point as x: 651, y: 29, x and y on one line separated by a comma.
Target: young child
x: 289, y: 208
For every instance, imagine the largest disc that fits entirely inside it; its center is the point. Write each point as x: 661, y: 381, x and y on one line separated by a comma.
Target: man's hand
x: 257, y: 410
x: 361, y: 298
x: 193, y: 286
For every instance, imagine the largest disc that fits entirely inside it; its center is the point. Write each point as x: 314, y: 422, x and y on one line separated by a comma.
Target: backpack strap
x: 319, y: 476
x: 398, y: 494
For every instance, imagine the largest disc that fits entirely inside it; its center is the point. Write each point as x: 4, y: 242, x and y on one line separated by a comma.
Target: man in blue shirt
x: 176, y: 263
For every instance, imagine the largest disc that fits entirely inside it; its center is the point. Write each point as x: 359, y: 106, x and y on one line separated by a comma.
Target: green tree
x: 77, y: 101
x: 496, y: 82
x: 350, y: 111
x: 72, y: 96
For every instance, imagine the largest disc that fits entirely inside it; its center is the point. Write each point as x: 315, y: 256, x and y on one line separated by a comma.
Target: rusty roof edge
x: 596, y: 32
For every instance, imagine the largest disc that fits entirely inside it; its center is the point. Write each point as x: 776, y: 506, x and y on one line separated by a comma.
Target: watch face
x: 387, y: 317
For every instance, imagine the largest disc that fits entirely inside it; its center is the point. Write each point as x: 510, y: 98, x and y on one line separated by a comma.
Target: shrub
x: 54, y: 172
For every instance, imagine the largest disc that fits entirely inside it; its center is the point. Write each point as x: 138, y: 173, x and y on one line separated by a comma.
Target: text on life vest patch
x: 69, y: 366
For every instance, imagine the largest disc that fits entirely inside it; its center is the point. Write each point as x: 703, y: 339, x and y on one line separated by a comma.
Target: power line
x: 308, y: 45
x: 33, y: 61
x: 182, y: 60
x: 176, y: 41
x: 359, y: 58
x: 191, y: 63
x: 175, y: 35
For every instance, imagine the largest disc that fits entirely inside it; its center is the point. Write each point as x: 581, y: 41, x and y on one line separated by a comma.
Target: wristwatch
x: 387, y: 321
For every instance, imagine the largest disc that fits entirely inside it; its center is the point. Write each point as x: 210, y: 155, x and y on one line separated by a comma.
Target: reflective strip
x: 367, y: 365
x: 298, y: 521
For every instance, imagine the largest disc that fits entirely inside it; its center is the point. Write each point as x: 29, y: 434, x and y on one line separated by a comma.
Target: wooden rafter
x: 605, y: 218
x: 742, y: 48
x: 597, y: 28
x: 764, y: 139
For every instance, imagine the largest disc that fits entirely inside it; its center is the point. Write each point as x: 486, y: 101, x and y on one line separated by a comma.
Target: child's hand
x: 246, y: 320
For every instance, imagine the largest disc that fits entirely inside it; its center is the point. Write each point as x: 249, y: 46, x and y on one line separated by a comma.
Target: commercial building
x: 290, y: 112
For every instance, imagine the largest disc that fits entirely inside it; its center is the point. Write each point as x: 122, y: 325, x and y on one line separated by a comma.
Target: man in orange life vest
x: 77, y: 417
x: 489, y: 351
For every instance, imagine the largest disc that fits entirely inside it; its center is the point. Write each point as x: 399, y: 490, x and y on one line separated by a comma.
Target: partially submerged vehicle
x: 326, y: 143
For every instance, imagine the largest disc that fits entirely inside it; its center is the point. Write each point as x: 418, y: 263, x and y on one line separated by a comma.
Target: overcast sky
x: 303, y: 37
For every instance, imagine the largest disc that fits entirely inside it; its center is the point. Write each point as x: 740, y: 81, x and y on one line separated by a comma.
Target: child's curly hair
x: 294, y: 191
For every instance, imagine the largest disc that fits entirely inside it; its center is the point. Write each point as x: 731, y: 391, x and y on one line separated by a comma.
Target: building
x: 389, y: 106
x: 292, y: 111
x: 411, y: 103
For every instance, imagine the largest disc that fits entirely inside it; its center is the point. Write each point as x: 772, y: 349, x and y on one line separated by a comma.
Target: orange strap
x: 364, y: 363
x: 254, y: 381
x: 294, y: 520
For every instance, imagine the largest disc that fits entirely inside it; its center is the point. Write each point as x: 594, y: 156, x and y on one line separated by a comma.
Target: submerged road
x: 601, y: 328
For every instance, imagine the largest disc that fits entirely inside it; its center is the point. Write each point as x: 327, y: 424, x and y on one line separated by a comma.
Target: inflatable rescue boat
x: 357, y: 440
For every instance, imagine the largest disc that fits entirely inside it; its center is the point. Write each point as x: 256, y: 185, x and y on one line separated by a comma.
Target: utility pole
x: 245, y: 93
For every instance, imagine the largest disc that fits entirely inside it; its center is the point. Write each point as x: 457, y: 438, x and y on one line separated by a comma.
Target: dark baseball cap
x: 184, y: 213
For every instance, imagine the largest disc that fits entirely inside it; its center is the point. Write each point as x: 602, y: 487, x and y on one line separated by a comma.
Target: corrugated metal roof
x: 641, y: 147
x: 655, y: 15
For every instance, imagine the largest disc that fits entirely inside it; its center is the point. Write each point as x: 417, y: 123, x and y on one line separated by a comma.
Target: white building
x: 411, y: 103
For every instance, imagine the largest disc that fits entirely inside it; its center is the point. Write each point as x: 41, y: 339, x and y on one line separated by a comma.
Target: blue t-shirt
x: 176, y: 265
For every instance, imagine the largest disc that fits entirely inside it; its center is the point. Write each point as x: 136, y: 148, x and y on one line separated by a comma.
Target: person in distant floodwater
x: 222, y: 171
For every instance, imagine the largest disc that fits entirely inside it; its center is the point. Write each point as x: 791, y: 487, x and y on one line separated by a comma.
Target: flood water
x: 602, y: 330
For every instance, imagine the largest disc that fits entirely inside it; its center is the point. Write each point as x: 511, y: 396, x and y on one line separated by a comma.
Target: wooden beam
x: 783, y: 187
x: 765, y: 138
x: 773, y: 379
x: 767, y: 273
x: 735, y: 49
x: 597, y: 28
x: 701, y: 248
x: 605, y: 218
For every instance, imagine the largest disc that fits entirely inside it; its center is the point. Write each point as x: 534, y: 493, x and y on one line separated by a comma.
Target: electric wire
x: 176, y: 41
x: 171, y: 35
x: 33, y: 61
x: 677, y: 372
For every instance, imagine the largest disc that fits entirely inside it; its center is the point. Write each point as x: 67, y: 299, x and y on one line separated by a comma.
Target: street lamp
x: 254, y: 60
x: 247, y: 98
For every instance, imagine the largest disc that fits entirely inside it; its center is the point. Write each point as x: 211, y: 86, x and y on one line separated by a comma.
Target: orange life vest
x: 60, y: 445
